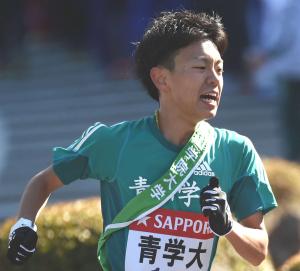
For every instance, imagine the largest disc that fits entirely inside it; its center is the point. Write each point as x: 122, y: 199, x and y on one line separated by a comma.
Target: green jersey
x: 128, y: 157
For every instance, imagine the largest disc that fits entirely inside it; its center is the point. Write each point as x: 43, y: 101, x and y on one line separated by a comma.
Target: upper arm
x: 82, y: 159
x: 250, y: 192
x: 254, y: 221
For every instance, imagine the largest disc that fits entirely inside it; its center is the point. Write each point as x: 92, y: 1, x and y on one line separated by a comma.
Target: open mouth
x: 208, y: 97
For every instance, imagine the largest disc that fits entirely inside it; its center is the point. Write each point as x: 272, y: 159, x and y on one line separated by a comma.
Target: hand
x: 22, y: 241
x: 214, y: 206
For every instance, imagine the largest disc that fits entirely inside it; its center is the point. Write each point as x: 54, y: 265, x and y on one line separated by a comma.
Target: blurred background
x: 65, y: 64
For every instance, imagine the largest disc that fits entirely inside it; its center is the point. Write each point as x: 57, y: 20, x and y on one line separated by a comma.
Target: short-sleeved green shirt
x: 129, y: 156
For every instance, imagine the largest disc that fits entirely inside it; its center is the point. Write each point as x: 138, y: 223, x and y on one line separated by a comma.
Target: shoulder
x: 124, y: 126
x: 231, y: 138
x: 115, y: 132
x: 233, y: 144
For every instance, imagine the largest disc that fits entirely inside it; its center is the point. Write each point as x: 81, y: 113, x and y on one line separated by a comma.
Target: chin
x: 208, y: 115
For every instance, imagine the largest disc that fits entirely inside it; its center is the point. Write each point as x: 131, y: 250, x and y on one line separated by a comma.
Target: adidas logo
x: 204, y: 170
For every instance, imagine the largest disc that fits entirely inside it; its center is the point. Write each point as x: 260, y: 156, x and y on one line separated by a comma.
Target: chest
x: 139, y: 169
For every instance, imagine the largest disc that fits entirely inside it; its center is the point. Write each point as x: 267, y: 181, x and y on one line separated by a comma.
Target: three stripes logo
x: 204, y: 170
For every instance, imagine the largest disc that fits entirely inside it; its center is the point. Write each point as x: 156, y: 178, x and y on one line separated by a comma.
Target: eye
x: 200, y: 68
x: 219, y: 70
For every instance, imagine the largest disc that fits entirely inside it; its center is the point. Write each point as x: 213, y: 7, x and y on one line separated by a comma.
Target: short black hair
x: 168, y: 33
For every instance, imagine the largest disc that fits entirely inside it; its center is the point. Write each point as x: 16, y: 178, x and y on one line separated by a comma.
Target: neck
x: 176, y: 130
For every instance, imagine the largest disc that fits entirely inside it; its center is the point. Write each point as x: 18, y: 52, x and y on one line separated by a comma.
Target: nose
x: 213, y: 78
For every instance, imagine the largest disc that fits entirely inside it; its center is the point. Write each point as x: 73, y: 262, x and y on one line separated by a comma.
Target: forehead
x: 199, y: 51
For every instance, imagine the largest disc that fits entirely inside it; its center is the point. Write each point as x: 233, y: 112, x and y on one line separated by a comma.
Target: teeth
x: 208, y: 100
x: 209, y: 97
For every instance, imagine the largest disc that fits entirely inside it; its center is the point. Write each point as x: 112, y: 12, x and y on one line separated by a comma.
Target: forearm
x: 250, y: 243
x: 33, y: 198
x: 37, y: 193
x: 23, y: 236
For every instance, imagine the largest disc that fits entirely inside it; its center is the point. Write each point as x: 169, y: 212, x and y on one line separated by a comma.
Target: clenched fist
x: 22, y: 241
x: 214, y: 206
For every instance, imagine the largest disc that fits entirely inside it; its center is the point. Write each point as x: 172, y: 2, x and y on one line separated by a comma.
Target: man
x: 154, y: 170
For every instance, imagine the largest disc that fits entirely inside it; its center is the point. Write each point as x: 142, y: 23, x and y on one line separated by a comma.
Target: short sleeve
x: 77, y: 161
x: 251, y: 191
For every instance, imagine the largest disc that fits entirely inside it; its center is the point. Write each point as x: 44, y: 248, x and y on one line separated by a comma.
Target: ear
x: 158, y: 76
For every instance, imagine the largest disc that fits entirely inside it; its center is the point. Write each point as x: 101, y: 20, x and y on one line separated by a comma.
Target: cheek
x: 184, y: 86
x: 221, y: 83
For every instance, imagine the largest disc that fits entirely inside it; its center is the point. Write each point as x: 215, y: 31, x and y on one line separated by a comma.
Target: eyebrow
x: 208, y: 59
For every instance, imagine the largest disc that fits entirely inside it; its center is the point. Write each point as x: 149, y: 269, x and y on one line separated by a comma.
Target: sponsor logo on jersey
x: 175, y: 223
x: 204, y: 170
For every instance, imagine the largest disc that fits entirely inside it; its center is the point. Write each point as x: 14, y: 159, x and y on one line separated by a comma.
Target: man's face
x: 196, y: 82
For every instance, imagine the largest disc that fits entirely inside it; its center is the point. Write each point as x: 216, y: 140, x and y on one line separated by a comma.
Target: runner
x: 169, y: 180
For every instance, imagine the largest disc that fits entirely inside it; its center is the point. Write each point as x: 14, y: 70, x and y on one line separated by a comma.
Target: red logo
x: 177, y: 223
